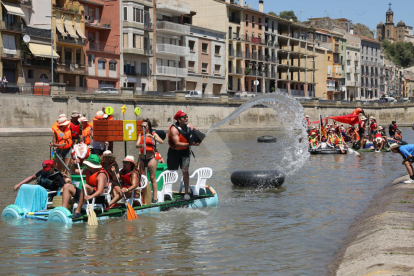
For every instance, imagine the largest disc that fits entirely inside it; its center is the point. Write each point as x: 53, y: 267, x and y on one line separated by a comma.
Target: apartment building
x: 371, y: 64
x: 206, y: 60
x: 336, y: 45
x: 137, y: 44
x: 353, y: 66
x: 37, y: 53
x: 254, y: 42
x: 70, y: 42
x: 102, y: 49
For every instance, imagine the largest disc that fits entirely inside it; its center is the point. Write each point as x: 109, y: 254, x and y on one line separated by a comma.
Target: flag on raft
x: 322, y: 130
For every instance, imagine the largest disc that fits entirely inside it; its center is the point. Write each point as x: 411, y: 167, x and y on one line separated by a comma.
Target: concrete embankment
x: 381, y: 240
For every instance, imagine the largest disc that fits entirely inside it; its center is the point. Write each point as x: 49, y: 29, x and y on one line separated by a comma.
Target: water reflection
x: 292, y: 230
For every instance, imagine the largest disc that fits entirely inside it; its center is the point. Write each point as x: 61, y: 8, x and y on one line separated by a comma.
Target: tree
x: 273, y: 13
x: 401, y: 53
x: 288, y: 15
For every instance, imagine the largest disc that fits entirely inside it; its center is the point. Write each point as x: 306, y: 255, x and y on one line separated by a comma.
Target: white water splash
x: 293, y: 143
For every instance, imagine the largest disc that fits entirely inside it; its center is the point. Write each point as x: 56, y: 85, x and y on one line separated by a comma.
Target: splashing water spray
x: 289, y: 117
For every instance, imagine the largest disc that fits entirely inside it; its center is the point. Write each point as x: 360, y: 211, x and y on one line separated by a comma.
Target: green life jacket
x: 45, y: 179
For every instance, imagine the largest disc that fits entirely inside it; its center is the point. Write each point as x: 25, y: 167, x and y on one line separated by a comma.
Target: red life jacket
x: 378, y: 135
x: 361, y: 125
x: 75, y: 129
x: 149, y: 142
x: 373, y: 126
x: 184, y: 137
x: 92, y: 179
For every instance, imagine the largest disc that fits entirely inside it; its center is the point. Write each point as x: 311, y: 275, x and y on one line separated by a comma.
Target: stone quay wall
x: 32, y: 111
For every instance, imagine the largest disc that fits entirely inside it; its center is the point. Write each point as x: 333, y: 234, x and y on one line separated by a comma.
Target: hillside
x: 328, y: 23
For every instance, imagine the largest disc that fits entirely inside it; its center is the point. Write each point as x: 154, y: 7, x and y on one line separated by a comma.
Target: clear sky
x: 368, y: 12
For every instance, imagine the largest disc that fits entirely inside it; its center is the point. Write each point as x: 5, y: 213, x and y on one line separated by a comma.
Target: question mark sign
x: 130, y: 128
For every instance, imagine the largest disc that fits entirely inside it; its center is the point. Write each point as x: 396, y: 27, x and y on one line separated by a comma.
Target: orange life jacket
x: 149, y: 142
x: 64, y: 137
x: 86, y: 134
x: 357, y: 136
x: 92, y: 179
x: 397, y: 136
x: 184, y: 137
x: 110, y: 118
x: 55, y: 126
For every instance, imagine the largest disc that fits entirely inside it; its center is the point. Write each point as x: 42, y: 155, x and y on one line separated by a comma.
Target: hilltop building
x: 393, y: 33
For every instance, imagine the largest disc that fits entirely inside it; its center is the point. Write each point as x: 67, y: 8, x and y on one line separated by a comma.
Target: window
x: 247, y: 20
x: 129, y: 67
x: 204, y: 48
x: 126, y: 41
x: 138, y: 15
x: 30, y: 74
x: 204, y: 68
x: 91, y: 59
x: 260, y: 23
x: 112, y: 65
x: 336, y: 39
x: 324, y: 38
x: 253, y: 21
x: 125, y: 13
x: 144, y: 70
x: 217, y: 49
x: 191, y: 65
x: 101, y: 64
x: 138, y: 42
x: 204, y: 87
x: 217, y: 69
x: 191, y: 44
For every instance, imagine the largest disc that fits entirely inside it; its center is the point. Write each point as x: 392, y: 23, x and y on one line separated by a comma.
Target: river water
x: 294, y: 230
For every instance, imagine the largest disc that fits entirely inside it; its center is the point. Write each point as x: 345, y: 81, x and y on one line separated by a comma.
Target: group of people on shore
x: 364, y: 134
x: 101, y: 168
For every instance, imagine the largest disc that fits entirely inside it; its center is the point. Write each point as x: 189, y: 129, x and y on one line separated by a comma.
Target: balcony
x: 37, y: 63
x: 36, y: 32
x: 331, y: 88
x: 172, y: 28
x: 173, y: 7
x: 236, y: 71
x: 102, y: 23
x: 246, y: 38
x: 71, y: 40
x: 101, y: 47
x: 236, y: 54
x: 11, y: 27
x: 73, y: 68
x: 172, y: 71
x: 234, y: 19
x: 12, y: 56
x: 67, y: 8
x: 170, y: 50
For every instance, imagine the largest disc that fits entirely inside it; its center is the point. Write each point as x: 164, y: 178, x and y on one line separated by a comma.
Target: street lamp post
x: 176, y: 66
x: 255, y: 83
x: 51, y: 42
x: 355, y: 79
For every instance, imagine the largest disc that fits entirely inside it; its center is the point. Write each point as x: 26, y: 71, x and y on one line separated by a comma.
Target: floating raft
x: 327, y: 151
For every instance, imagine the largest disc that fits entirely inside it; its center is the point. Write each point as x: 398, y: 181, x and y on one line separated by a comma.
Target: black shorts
x: 411, y: 160
x: 77, y: 194
x: 361, y: 132
x: 178, y: 159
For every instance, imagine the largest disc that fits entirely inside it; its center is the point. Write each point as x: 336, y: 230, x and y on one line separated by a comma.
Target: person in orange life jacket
x: 99, y: 147
x: 331, y: 138
x: 62, y: 140
x: 128, y: 176
x: 313, y: 142
x: 398, y: 135
x: 313, y: 131
x: 179, y: 151
x: 407, y: 152
x: 111, y: 167
x: 75, y: 127
x: 86, y: 131
x: 109, y: 118
x: 339, y: 141
x: 392, y: 129
x: 55, y: 125
x: 373, y: 126
x: 151, y: 138
x: 96, y: 182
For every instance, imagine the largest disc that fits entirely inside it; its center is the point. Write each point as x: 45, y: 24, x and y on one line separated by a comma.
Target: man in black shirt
x: 392, y: 129
x: 49, y: 178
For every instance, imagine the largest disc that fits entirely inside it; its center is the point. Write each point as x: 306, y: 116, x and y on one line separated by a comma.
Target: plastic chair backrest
x: 203, y: 175
x: 170, y: 177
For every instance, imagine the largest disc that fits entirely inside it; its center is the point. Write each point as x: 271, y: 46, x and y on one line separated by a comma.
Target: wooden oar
x: 130, y: 211
x: 92, y: 220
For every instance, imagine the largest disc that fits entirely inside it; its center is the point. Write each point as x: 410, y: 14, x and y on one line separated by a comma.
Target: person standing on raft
x: 407, y: 152
x: 179, y: 151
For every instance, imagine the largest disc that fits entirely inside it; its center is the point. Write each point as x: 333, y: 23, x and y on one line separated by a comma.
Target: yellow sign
x: 137, y: 111
x: 123, y: 109
x: 130, y: 130
x: 109, y: 111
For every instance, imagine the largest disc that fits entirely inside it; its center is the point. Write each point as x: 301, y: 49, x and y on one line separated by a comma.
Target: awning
x: 60, y: 28
x: 79, y: 30
x: 13, y: 9
x: 41, y: 50
x: 69, y: 27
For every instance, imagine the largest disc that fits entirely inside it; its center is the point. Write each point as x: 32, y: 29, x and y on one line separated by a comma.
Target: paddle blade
x: 130, y: 212
x: 92, y: 220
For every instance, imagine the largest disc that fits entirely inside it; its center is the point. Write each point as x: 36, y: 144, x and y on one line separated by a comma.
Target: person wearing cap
x: 62, y: 140
x: 55, y: 125
x: 407, y: 152
x: 86, y: 131
x: 129, y: 179
x: 151, y: 140
x: 313, y: 141
x: 179, y: 141
x: 99, y: 147
x: 392, y: 129
x: 49, y: 177
x: 96, y: 182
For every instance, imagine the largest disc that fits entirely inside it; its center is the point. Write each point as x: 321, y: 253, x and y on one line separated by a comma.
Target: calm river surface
x: 291, y: 231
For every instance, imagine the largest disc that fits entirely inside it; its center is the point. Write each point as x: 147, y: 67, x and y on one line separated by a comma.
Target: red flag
x: 347, y: 119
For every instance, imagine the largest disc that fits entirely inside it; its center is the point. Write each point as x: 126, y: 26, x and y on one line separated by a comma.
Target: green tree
x: 401, y: 53
x: 288, y: 15
x: 273, y: 13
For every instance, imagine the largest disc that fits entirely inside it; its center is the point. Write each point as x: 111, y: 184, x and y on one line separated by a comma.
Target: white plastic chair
x: 144, y: 183
x: 107, y: 196
x: 169, y: 178
x: 203, y: 174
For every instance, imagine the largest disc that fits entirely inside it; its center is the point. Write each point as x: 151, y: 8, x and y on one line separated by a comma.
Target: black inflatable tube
x: 266, y: 139
x: 327, y: 151
x: 160, y: 133
x: 257, y: 178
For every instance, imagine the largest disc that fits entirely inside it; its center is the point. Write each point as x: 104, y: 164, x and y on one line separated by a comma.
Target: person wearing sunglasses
x: 148, y: 160
x: 179, y: 140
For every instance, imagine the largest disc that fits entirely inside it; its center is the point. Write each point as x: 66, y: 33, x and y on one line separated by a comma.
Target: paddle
x: 130, y: 211
x: 63, y: 163
x: 145, y: 153
x: 92, y: 220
